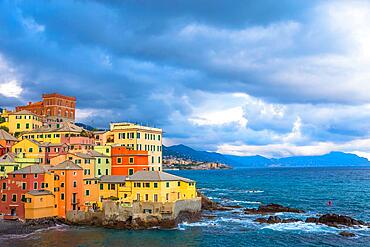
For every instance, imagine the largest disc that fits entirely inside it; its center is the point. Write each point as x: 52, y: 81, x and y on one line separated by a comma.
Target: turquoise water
x: 305, y: 188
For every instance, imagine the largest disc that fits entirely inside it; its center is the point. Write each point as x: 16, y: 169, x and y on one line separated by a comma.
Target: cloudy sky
x: 276, y: 78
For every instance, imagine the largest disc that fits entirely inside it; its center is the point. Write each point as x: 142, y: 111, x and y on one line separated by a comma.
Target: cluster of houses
x: 50, y: 166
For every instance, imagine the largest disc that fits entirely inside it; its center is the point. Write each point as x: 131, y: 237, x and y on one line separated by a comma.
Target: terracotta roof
x: 6, y: 136
x: 66, y: 165
x: 39, y: 192
x: 34, y: 169
x: 156, y: 176
x: 112, y: 179
x: 7, y: 158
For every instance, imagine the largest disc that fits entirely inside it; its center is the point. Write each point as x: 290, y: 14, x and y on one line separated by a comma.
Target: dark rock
x: 336, y: 220
x: 209, y: 216
x: 275, y: 220
x: 312, y: 220
x: 208, y: 204
x: 347, y: 234
x: 271, y: 208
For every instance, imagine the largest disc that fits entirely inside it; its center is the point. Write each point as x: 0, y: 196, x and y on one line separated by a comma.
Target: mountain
x: 85, y: 126
x: 330, y: 159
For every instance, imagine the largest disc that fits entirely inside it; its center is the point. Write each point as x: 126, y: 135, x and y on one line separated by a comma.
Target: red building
x: 16, y: 185
x: 53, y: 106
x: 126, y: 162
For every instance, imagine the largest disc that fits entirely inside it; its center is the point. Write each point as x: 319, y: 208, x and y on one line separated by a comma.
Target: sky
x: 273, y: 78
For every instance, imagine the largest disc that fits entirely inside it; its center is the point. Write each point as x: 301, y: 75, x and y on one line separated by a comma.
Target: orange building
x: 126, y: 162
x: 68, y: 187
x: 7, y: 140
x: 53, y: 106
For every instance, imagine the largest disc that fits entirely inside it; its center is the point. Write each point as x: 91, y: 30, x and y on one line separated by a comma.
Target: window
x: 74, y: 184
x: 99, y: 160
x: 155, y: 185
x: 106, y: 172
x: 119, y: 160
x: 14, y: 198
x: 27, y: 125
x: 131, y: 160
x: 4, y: 186
x: 130, y: 171
x: 101, y: 186
x: 62, y: 196
x: 62, y: 185
x: 3, y: 198
x: 23, y: 198
x: 152, y: 159
x: 35, y: 175
x: 146, y: 197
x: 167, y: 184
x: 18, y: 125
x: 112, y: 186
x: 99, y: 172
x: 155, y: 197
x: 87, y: 192
x: 147, y: 185
x: 167, y: 196
x: 138, y: 135
x: 107, y: 150
x: 35, y: 185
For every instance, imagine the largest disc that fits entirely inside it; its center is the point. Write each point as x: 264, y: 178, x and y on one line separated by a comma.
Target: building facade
x: 23, y: 121
x: 126, y: 162
x: 53, y: 107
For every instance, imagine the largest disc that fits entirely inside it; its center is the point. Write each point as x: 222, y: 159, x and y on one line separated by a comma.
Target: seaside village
x: 50, y: 167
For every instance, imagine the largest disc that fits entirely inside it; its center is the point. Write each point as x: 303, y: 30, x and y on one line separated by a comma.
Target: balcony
x: 74, y: 202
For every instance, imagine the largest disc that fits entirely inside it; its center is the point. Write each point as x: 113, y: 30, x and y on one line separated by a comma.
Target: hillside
x: 330, y: 159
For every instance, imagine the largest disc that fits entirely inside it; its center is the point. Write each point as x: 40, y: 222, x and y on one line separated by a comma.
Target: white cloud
x: 32, y: 25
x: 227, y: 116
x: 11, y: 89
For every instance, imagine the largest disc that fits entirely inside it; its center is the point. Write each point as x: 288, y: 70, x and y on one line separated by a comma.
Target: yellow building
x: 137, y: 137
x: 56, y: 133
x: 149, y: 186
x: 23, y: 121
x: 91, y: 193
x: 28, y: 148
x: 4, y: 118
x: 8, y: 164
x: 106, y: 150
x: 39, y: 204
x: 146, y: 186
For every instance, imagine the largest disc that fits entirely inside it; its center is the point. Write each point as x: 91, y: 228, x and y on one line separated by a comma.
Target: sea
x: 309, y: 189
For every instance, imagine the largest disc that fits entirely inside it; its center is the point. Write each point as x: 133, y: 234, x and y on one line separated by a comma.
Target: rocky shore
x: 18, y: 227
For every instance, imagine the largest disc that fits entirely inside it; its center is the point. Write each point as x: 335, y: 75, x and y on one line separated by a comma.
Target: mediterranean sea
x: 306, y: 188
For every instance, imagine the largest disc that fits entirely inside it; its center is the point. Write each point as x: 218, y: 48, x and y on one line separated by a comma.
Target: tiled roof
x: 39, y: 192
x: 112, y: 179
x: 84, y: 155
x: 6, y: 136
x: 34, y: 169
x: 65, y: 127
x: 66, y: 165
x: 94, y: 153
x: 7, y: 158
x: 156, y: 176
x: 23, y: 112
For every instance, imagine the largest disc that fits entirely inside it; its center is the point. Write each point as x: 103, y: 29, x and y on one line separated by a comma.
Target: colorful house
x: 91, y: 193
x: 7, y: 140
x: 15, y: 187
x: 4, y: 118
x: 139, y: 138
x: 155, y: 186
x: 53, y: 107
x: 86, y: 161
x: 23, y: 121
x: 109, y: 187
x: 126, y: 162
x: 68, y: 187
x: 102, y: 163
x: 54, y: 133
x: 39, y: 204
x: 8, y: 164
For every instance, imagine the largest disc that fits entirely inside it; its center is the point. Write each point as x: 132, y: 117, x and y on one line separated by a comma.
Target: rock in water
x: 272, y: 208
x: 336, y: 220
x: 347, y: 234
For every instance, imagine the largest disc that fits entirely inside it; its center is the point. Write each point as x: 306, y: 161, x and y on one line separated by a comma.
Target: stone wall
x: 139, y: 214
